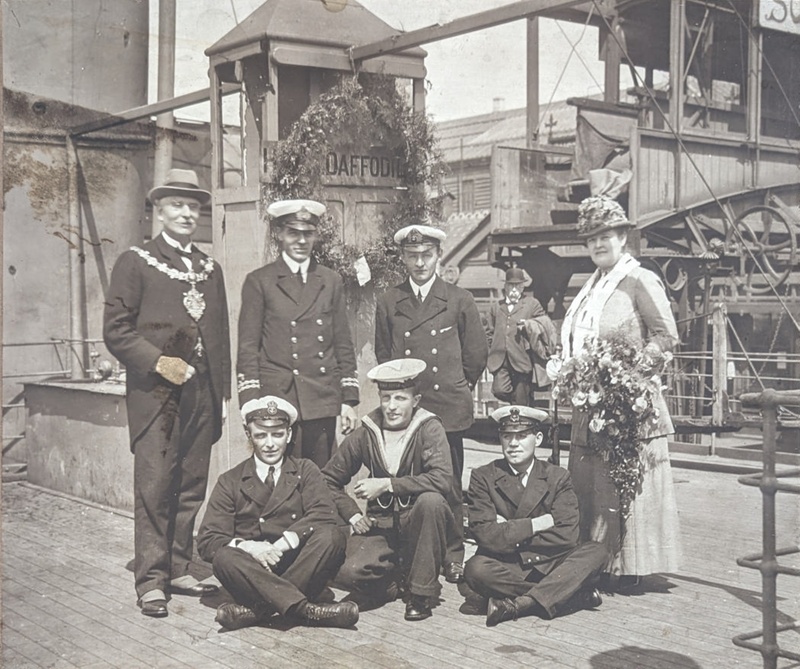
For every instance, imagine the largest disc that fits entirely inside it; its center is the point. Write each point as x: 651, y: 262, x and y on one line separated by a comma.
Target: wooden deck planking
x: 65, y: 574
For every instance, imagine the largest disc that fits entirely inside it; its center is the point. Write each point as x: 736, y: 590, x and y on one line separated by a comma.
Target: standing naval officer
x: 294, y: 338
x: 166, y: 320
x: 437, y: 322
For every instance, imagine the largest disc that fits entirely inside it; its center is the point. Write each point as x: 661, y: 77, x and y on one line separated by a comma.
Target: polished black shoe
x: 235, y: 616
x: 417, y: 608
x: 454, y: 572
x: 155, y: 608
x: 588, y: 598
x: 500, y: 610
x: 343, y: 614
x: 197, y: 590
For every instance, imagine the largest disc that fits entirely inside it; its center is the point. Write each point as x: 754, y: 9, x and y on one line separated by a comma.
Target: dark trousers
x: 455, y: 500
x: 300, y: 575
x: 493, y: 577
x: 170, y: 472
x: 512, y: 386
x: 373, y: 559
x: 314, y: 440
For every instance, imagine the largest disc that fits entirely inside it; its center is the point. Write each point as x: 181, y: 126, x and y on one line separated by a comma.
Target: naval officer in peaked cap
x: 271, y: 529
x: 524, y: 515
x: 294, y: 338
x: 427, y: 318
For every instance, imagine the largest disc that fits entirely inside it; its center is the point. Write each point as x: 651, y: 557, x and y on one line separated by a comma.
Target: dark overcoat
x: 446, y: 332
x: 295, y: 341
x: 240, y: 506
x: 145, y: 318
x: 495, y: 490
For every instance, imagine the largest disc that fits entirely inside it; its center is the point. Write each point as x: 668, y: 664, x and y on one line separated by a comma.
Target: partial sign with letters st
x: 782, y: 15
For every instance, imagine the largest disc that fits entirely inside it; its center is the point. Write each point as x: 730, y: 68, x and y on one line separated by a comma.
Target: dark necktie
x: 270, y: 481
x: 185, y: 254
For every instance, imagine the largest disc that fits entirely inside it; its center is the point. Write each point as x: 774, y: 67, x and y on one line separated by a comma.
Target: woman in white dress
x: 622, y: 294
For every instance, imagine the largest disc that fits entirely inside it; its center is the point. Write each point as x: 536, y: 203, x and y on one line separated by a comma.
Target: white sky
x: 464, y: 73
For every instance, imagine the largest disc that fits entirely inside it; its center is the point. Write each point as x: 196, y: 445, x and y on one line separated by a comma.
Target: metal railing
x: 767, y: 561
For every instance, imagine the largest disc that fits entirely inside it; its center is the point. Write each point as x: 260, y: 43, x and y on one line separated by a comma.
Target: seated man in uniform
x: 523, y: 513
x: 271, y: 530
x: 405, y: 529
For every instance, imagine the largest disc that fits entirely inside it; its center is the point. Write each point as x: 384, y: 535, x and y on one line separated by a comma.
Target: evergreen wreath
x: 355, y: 106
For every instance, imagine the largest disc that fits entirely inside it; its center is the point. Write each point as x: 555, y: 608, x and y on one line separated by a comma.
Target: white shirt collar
x: 174, y: 243
x: 524, y: 475
x: 262, y: 469
x: 294, y: 265
x: 424, y: 289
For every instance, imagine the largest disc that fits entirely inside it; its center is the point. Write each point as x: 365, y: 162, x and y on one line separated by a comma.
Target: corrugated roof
x: 309, y: 21
x: 507, y: 128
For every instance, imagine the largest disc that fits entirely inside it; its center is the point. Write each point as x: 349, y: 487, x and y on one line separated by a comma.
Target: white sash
x: 582, y: 320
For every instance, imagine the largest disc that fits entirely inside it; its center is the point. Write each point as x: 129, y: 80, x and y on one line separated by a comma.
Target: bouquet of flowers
x: 615, y: 380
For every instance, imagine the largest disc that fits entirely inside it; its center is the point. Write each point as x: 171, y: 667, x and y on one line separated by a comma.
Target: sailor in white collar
x: 405, y: 449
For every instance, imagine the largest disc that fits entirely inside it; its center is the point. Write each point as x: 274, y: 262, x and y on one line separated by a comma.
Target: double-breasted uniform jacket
x: 495, y: 489
x: 425, y: 465
x: 640, y: 306
x: 240, y: 506
x: 295, y: 341
x: 446, y: 332
x: 145, y: 318
x: 527, y: 350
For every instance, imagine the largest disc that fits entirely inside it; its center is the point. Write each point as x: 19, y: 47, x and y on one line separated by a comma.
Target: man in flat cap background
x: 523, y: 513
x: 271, y: 531
x: 521, y: 340
x: 439, y: 323
x: 294, y: 338
x: 166, y: 320
x: 404, y: 532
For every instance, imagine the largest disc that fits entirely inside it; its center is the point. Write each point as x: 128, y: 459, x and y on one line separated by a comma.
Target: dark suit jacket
x: 295, y: 341
x: 494, y: 490
x: 505, y: 339
x: 239, y: 506
x: 145, y: 318
x: 446, y: 332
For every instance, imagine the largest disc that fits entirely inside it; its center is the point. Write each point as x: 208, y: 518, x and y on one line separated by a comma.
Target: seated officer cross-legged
x: 524, y: 516
x: 401, y: 540
x: 271, y: 530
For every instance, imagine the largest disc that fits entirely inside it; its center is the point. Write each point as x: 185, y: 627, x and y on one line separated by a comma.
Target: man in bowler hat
x: 521, y: 339
x: 294, y: 337
x: 166, y: 320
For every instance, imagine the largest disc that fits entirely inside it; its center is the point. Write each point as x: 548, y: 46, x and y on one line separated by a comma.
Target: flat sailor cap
x: 397, y: 374
x: 269, y: 411
x: 422, y: 236
x: 299, y: 214
x: 517, y: 418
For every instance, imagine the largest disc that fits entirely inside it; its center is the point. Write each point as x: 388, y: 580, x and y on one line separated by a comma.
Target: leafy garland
x: 615, y: 382
x: 357, y: 107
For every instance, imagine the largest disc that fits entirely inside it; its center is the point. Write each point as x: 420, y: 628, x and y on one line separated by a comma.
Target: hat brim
x: 155, y: 194
x: 296, y: 224
x: 612, y: 226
